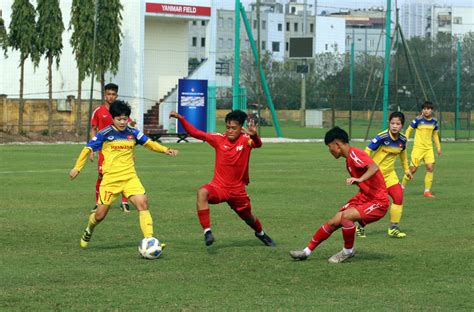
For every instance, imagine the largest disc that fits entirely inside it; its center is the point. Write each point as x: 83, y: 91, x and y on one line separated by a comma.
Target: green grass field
x: 294, y: 189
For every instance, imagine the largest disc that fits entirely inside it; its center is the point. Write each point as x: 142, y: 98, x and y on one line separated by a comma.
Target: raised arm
x: 251, y: 130
x: 195, y: 133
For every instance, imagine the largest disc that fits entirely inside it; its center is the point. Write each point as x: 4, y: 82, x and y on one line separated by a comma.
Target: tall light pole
x: 387, y: 63
x: 259, y: 62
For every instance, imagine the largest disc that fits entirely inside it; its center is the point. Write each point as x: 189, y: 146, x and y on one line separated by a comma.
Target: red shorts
x: 237, y: 198
x: 100, y: 160
x: 369, y: 210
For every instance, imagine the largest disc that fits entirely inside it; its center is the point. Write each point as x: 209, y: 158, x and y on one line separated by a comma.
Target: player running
x: 230, y: 172
x: 368, y: 205
x: 101, y: 118
x: 384, y: 149
x: 119, y: 176
x: 426, y: 131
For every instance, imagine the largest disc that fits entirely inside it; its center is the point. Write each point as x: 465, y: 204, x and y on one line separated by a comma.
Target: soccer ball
x: 150, y: 248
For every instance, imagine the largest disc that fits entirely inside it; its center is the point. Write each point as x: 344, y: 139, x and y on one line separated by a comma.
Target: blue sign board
x: 192, y: 103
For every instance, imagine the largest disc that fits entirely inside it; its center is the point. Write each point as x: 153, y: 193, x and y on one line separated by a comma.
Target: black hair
x: 111, y: 86
x: 336, y: 133
x: 397, y: 115
x: 236, y: 115
x: 119, y: 108
x: 427, y: 104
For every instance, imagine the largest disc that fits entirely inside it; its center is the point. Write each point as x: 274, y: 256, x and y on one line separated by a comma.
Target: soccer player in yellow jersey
x: 119, y: 176
x: 426, y: 132
x: 384, y: 150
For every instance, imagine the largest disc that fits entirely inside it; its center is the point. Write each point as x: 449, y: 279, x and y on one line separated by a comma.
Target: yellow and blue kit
x: 426, y: 132
x: 385, y: 149
x: 118, y: 168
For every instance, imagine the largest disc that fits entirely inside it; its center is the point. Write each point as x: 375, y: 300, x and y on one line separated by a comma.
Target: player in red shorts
x: 101, y: 118
x: 368, y: 205
x: 230, y: 172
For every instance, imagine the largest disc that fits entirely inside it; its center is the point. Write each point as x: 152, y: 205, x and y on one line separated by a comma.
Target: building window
x: 296, y: 26
x: 293, y: 10
x: 457, y: 20
x: 229, y: 43
x: 203, y: 42
x: 326, y: 46
x: 194, y: 23
x: 221, y: 42
x: 335, y: 47
x: 275, y: 46
x: 230, y: 22
x: 247, y: 44
x: 264, y: 45
x: 311, y: 28
x: 221, y: 22
x: 203, y: 23
x: 371, y: 43
x: 264, y: 24
x: 287, y: 46
x: 254, y: 24
x: 287, y: 26
x: 195, y: 39
x: 280, y: 27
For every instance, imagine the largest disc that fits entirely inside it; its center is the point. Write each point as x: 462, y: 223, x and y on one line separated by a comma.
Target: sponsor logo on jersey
x: 121, y: 147
x: 110, y: 138
x: 239, y: 148
x: 130, y: 137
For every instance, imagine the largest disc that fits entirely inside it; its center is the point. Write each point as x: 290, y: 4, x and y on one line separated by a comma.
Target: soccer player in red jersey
x: 368, y: 205
x: 230, y: 172
x: 102, y: 118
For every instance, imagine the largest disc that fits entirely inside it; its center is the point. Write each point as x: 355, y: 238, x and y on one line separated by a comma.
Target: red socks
x: 204, y: 217
x: 348, y: 233
x: 321, y: 235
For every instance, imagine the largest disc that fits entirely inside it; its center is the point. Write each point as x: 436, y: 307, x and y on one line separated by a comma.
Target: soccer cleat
x: 94, y: 209
x: 267, y: 240
x: 208, y: 238
x: 125, y: 207
x: 298, y: 255
x: 360, y: 231
x: 86, y: 237
x: 428, y: 194
x: 341, y: 256
x: 396, y: 233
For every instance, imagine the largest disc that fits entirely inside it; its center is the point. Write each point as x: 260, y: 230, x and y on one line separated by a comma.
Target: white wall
x: 330, y: 31
x: 467, y: 16
x: 273, y: 19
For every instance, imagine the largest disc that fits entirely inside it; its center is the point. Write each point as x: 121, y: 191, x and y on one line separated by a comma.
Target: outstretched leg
x: 203, y: 212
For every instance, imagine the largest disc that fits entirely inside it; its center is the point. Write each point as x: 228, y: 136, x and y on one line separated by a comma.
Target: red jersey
x: 232, y: 158
x: 101, y: 117
x: 373, y: 188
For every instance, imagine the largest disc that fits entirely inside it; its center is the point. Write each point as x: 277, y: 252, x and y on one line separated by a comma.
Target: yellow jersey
x: 426, y: 132
x: 117, y: 148
x: 385, y: 149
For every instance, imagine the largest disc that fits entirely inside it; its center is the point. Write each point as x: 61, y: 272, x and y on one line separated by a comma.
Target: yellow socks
x: 92, y: 222
x: 428, y: 180
x: 395, y: 213
x: 146, y: 223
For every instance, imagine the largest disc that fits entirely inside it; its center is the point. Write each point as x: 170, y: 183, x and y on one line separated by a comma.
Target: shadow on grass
x: 247, y: 243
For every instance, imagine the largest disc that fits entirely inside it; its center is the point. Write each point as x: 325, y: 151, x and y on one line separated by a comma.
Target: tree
x: 82, y: 24
x: 22, y: 37
x: 3, y: 36
x: 109, y: 36
x: 50, y: 26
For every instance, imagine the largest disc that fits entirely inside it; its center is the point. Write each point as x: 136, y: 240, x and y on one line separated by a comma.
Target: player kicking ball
x: 230, y: 172
x: 119, y: 176
x: 368, y: 205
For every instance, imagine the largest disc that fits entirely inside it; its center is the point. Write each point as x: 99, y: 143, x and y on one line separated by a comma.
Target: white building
x: 154, y: 55
x: 456, y: 21
x: 415, y: 18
